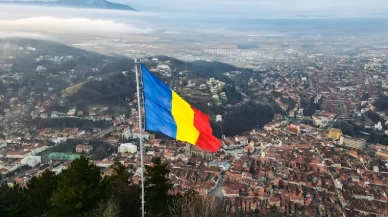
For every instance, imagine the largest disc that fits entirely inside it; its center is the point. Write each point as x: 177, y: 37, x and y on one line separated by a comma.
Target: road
x: 339, y: 114
x: 104, y: 132
x: 217, y: 192
x: 336, y: 191
x: 339, y: 196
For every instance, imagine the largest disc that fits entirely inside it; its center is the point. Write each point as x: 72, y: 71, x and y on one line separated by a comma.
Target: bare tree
x: 191, y: 204
x: 108, y: 208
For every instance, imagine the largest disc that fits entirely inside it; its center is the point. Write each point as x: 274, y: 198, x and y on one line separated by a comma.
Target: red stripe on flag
x: 206, y: 140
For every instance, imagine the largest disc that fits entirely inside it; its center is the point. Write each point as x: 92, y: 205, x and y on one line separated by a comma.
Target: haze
x: 171, y: 27
x: 267, y: 8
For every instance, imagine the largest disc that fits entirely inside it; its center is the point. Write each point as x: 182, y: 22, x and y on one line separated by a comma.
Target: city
x: 298, y: 161
x: 302, y: 115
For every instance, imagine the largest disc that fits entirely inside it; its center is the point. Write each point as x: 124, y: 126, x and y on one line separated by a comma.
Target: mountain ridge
x: 97, y: 4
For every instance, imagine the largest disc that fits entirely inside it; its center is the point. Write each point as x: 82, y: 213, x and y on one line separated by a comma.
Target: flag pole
x: 141, y: 137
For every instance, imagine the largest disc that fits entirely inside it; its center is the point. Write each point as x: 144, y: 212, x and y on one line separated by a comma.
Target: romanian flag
x: 168, y: 113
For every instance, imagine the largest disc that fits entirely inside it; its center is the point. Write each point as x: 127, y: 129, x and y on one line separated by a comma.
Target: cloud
x: 9, y: 12
x: 70, y: 25
x: 17, y: 10
x: 23, y: 35
x: 22, y: 20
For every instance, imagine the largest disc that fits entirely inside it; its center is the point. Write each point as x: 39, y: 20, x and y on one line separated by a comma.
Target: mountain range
x: 99, y: 4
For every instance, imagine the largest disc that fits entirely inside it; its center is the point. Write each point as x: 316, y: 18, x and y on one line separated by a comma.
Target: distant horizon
x: 266, y: 8
x: 31, y: 19
x: 258, y: 8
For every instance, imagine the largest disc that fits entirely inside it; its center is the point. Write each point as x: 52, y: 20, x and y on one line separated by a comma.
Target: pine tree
x: 130, y: 201
x: 119, y: 189
x: 79, y: 189
x: 157, y: 186
x: 12, y: 200
x: 39, y: 191
x: 120, y: 174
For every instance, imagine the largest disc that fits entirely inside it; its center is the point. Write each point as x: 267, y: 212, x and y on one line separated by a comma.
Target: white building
x: 20, y: 155
x: 164, y: 67
x: 39, y: 150
x: 136, y: 135
x: 338, y: 184
x: 242, y: 139
x: 127, y: 147
x: 104, y: 164
x: 127, y: 134
x: 378, y: 126
x: 54, y: 114
x: 40, y: 69
x: 31, y: 161
x: 71, y: 112
x: 59, y: 140
x: 320, y: 121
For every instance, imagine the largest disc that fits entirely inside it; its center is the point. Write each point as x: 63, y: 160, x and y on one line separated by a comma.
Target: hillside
x: 113, y: 91
x: 99, y: 4
x: 61, y: 78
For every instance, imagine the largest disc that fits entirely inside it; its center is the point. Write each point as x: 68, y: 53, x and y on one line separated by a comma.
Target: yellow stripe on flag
x: 184, y: 119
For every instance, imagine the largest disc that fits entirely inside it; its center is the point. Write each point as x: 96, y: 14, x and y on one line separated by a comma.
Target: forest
x: 381, y: 103
x: 245, y: 118
x: 113, y: 90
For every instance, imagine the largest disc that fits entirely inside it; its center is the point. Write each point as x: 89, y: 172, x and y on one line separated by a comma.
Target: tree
x: 100, y: 153
x: 39, y: 191
x: 12, y: 200
x: 50, y: 143
x: 128, y: 197
x: 79, y: 189
x: 273, y: 209
x: 130, y: 201
x: 157, y: 186
x: 108, y: 208
x: 191, y: 204
x: 120, y: 175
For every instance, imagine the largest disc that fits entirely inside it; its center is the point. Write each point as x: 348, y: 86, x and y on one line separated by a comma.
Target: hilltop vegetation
x: 80, y: 190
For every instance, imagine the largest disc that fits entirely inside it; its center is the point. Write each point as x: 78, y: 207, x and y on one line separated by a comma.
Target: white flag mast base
x: 141, y: 137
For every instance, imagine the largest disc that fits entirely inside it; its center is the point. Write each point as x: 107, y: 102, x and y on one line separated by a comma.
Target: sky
x: 259, y: 8
x: 177, y: 15
x: 272, y: 8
